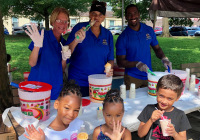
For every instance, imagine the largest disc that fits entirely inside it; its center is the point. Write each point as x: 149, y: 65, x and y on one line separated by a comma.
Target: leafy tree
x: 142, y: 7
x: 41, y: 9
x: 6, y: 99
x: 180, y: 21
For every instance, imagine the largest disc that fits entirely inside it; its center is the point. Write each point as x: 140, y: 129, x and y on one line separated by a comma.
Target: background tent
x: 175, y: 8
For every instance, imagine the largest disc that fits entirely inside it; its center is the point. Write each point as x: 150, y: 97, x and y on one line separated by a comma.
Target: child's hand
x: 171, y: 130
x: 34, y: 134
x: 117, y: 133
x: 156, y: 115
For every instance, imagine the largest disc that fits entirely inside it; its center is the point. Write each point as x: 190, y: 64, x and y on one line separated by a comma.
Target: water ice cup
x: 82, y: 136
x: 107, y: 68
x: 65, y: 48
x: 164, y: 125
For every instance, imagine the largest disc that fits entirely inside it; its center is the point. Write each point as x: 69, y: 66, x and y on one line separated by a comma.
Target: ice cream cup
x: 65, y: 48
x: 164, y: 125
x: 82, y: 136
x: 107, y: 68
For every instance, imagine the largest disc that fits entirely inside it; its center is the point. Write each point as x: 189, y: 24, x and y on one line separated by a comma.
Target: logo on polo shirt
x: 148, y: 36
x: 105, y: 42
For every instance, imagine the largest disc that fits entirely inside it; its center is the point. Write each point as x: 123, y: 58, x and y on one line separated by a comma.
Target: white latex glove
x: 66, y: 55
x: 35, y: 35
x: 166, y: 63
x: 80, y: 35
x: 142, y: 67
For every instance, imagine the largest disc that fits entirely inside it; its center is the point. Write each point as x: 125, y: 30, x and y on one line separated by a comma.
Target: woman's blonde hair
x: 56, y: 12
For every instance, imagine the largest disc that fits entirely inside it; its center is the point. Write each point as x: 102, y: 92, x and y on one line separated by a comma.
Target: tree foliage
x: 41, y: 9
x: 180, y: 21
x: 142, y: 7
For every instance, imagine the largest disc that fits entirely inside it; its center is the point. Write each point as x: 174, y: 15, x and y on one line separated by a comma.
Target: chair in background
x: 194, y: 68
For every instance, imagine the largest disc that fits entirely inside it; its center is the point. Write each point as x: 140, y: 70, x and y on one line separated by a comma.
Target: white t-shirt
x: 68, y: 134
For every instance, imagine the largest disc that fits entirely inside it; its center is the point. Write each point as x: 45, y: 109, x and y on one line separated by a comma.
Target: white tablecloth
x: 189, y: 102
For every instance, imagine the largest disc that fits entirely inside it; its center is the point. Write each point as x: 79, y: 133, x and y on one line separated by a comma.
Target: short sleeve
x: 184, y: 124
x: 144, y: 115
x: 154, y: 41
x: 121, y: 45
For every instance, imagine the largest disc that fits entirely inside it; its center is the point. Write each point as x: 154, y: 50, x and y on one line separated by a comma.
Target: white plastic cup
x: 123, y: 91
x: 107, y: 69
x: 192, y: 83
x: 132, y: 91
x: 164, y: 125
x: 99, y: 114
x: 65, y: 48
x: 187, y: 82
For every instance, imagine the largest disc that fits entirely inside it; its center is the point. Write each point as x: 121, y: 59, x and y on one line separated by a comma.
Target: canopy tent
x: 175, y: 8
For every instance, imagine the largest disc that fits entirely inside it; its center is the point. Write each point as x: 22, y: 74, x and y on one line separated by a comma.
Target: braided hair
x: 70, y: 88
x: 113, y: 96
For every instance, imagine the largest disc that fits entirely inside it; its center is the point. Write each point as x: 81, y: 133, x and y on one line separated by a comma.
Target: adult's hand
x: 166, y: 63
x: 35, y: 35
x: 142, y: 67
x: 80, y: 35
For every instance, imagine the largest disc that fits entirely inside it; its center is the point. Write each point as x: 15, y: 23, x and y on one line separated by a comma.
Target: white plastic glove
x: 166, y: 63
x: 142, y: 67
x: 35, y: 35
x: 66, y: 55
x: 80, y: 35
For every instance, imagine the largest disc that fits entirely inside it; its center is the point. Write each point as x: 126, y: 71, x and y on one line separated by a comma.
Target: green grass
x: 179, y: 50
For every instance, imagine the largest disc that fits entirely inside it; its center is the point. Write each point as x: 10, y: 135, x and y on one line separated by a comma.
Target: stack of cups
x: 132, y: 91
x: 123, y: 91
x: 192, y: 83
x: 187, y: 82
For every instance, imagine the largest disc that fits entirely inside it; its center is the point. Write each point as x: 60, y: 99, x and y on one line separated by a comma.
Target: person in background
x: 133, y: 51
x: 168, y: 90
x: 9, y: 69
x: 46, y: 59
x: 113, y: 111
x: 66, y: 124
x: 92, y: 49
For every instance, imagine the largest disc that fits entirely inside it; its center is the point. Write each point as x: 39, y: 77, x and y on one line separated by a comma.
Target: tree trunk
x: 46, y: 15
x: 165, y: 27
x: 6, y: 98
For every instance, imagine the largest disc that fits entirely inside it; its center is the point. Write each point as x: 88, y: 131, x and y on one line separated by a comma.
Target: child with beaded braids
x: 65, y: 126
x: 113, y: 111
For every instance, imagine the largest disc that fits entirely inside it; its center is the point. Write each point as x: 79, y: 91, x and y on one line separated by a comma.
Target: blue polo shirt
x: 136, y: 46
x: 90, y: 56
x: 49, y: 65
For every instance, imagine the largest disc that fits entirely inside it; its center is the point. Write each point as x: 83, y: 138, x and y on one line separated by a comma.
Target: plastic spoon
x: 162, y: 117
x: 61, y: 44
x: 168, y: 69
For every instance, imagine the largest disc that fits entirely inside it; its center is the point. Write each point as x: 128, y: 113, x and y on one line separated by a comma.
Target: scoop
x: 91, y: 23
x: 149, y: 71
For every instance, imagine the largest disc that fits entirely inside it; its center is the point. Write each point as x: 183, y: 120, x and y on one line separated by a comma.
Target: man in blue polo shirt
x: 92, y: 50
x: 133, y: 49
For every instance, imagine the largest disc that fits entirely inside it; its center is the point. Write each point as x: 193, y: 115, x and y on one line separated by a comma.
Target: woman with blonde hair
x: 47, y: 60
